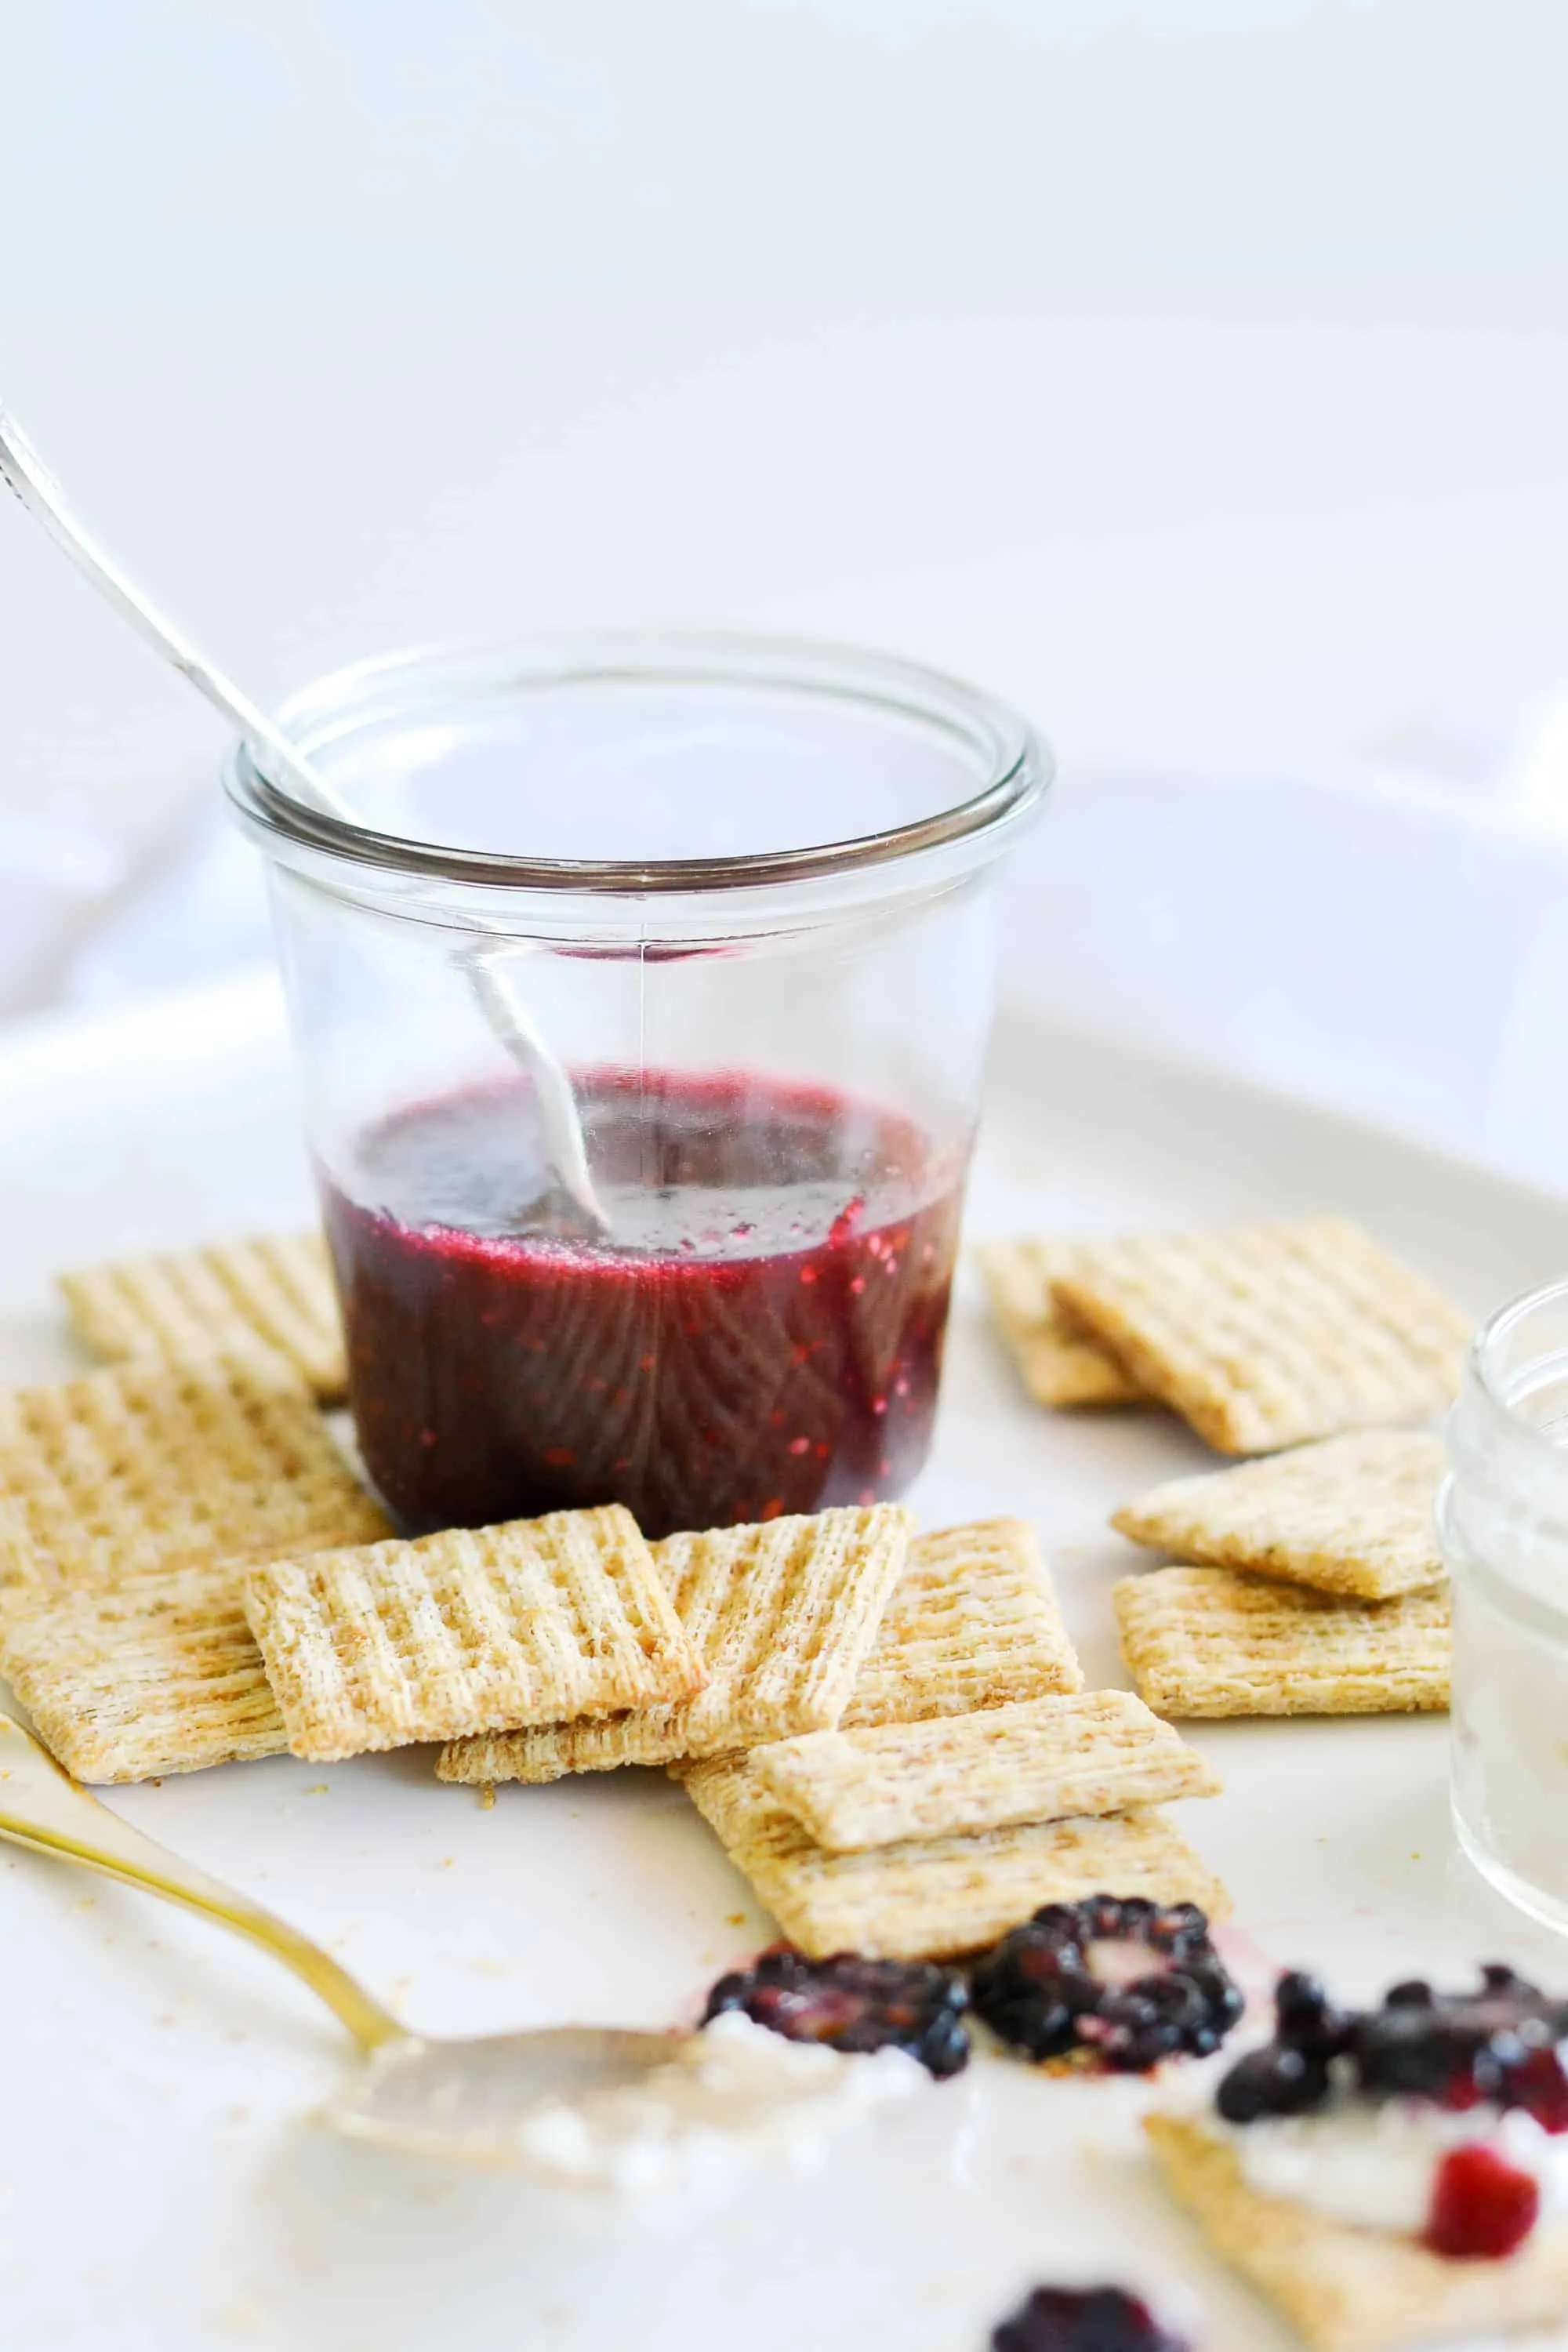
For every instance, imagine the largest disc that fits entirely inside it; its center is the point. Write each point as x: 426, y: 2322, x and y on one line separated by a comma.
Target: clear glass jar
x: 1502, y: 1519
x: 640, y: 992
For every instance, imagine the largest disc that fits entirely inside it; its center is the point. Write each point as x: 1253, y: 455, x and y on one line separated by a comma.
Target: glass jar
x: 640, y: 989
x: 1502, y: 1519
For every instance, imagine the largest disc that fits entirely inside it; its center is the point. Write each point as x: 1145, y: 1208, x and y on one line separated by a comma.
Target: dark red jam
x: 761, y: 1332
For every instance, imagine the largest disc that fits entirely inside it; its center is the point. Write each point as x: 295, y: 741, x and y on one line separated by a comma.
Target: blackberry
x: 1503, y: 2043
x: 1273, y: 2080
x: 1290, y: 2075
x: 1305, y: 2020
x: 1091, y: 2319
x: 854, y: 2005
x: 1506, y: 2043
x: 1129, y: 1980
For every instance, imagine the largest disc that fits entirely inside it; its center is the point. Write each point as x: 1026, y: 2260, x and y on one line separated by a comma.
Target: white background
x: 1195, y: 374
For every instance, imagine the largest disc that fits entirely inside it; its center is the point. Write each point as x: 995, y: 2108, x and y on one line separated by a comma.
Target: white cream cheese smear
x: 735, y: 2095
x: 1373, y: 2165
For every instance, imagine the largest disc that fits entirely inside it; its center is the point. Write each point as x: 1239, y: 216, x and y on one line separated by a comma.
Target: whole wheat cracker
x: 153, y: 1465
x: 1211, y: 1641
x: 1350, y: 1515
x: 936, y: 1899
x: 274, y: 1291
x: 782, y: 1615
x: 1057, y: 1363
x: 973, y: 1622
x: 1349, y: 2290
x: 1041, y: 1759
x: 465, y: 1630
x: 159, y: 1674
x: 1265, y: 1336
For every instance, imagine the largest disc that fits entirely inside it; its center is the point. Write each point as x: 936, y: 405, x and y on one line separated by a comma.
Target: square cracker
x: 937, y: 1898
x: 1349, y: 2290
x: 1267, y: 1334
x: 1351, y: 1514
x: 974, y: 1623
x: 1209, y: 1641
x: 465, y: 1630
x: 160, y: 1675
x: 169, y: 1466
x: 226, y: 1297
x: 1056, y: 1362
x: 1044, y: 1759
x: 782, y: 1615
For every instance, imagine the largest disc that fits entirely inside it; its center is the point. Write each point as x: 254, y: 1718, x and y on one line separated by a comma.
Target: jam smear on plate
x: 760, y: 1332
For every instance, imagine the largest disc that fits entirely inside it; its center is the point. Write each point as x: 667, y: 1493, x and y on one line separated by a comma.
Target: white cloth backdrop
x: 1195, y: 378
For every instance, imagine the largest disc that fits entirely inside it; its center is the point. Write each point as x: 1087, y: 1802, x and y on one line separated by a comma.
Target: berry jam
x: 761, y: 1332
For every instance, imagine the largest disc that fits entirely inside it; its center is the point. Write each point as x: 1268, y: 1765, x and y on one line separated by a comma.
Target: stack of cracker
x: 890, y: 1744
x: 930, y: 1840
x: 1309, y: 1583
x: 190, y: 1574
x: 131, y: 1502
x: 468, y: 1632
x: 1261, y: 1337
x: 1316, y: 1587
x: 889, y: 1735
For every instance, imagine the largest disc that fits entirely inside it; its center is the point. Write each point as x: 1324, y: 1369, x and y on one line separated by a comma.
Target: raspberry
x: 854, y: 2005
x: 1482, y: 2209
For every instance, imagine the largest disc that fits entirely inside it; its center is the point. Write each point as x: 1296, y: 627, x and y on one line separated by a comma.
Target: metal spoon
x: 486, y: 967
x: 457, y: 2100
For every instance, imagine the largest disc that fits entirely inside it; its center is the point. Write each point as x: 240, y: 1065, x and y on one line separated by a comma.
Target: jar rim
x: 1018, y: 764
x: 1489, y: 1340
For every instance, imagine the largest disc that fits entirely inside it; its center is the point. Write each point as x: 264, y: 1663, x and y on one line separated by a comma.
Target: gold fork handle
x: 43, y: 1808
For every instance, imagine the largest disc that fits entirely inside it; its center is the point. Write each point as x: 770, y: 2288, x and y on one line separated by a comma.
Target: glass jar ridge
x: 1000, y: 766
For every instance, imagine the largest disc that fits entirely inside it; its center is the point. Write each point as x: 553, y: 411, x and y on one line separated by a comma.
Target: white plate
x: 157, y: 2186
